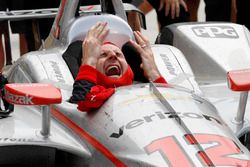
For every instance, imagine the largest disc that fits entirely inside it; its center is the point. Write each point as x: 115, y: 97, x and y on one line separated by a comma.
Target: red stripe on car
x: 86, y: 136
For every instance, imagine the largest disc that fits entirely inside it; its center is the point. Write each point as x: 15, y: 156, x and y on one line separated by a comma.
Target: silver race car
x: 198, y: 119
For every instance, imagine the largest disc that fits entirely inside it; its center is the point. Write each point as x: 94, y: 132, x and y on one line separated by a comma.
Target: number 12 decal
x: 217, y: 155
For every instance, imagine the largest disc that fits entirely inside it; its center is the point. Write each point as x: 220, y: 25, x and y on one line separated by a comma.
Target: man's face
x: 112, y: 62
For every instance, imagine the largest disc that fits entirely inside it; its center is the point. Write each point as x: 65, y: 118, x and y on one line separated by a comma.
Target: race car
x: 191, y: 121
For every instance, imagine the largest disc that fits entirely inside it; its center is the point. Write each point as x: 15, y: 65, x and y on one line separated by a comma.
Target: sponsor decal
x: 168, y: 64
x: 157, y: 116
x: 8, y: 140
x: 215, y: 32
x: 57, y: 71
x: 18, y: 99
x: 30, y: 85
x: 217, y: 154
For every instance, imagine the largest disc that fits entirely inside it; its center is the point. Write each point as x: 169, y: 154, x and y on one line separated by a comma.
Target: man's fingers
x: 177, y: 9
x: 167, y: 7
x: 142, y: 37
x: 183, y: 3
x: 136, y: 46
x: 97, y: 29
x: 103, y: 34
x: 141, y: 40
x: 138, y: 39
x: 162, y: 2
x: 101, y: 28
x: 98, y: 32
x: 141, y: 66
x: 93, y: 28
x: 91, y: 31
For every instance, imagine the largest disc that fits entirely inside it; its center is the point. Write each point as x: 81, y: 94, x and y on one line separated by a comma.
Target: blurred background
x: 151, y: 32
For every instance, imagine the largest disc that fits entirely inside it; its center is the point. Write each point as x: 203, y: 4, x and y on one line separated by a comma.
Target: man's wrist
x: 89, y: 62
x: 154, y: 75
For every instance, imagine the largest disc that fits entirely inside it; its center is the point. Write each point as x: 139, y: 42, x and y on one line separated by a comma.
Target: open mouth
x: 113, y: 71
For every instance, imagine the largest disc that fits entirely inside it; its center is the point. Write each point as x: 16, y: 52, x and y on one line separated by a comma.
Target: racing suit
x: 92, y: 88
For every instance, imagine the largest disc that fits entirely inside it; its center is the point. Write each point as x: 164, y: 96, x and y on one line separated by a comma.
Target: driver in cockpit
x: 104, y: 67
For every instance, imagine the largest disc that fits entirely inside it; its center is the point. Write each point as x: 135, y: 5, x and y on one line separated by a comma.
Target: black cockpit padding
x: 166, y: 36
x: 73, y: 55
x: 134, y: 60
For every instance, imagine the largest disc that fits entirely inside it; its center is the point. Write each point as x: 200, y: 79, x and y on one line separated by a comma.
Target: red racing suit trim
x: 95, y: 98
x: 88, y: 73
x: 160, y: 80
x: 94, y: 94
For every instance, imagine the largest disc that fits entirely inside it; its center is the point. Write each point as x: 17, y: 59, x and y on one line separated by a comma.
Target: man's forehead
x: 109, y: 47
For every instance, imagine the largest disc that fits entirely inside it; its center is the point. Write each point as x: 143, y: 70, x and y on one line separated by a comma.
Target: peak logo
x: 215, y: 32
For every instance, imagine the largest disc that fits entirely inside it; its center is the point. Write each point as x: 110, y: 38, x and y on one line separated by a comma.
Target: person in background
x: 104, y: 67
x: 218, y: 10
x: 215, y: 10
x: 5, y: 50
x: 242, y: 10
x: 23, y: 27
x: 31, y: 32
x: 170, y: 11
x: 3, y: 6
x: 193, y: 6
x: 2, y: 59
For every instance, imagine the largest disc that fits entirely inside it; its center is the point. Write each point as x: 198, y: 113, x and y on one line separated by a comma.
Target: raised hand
x: 92, y: 43
x: 148, y: 63
x: 172, y: 7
